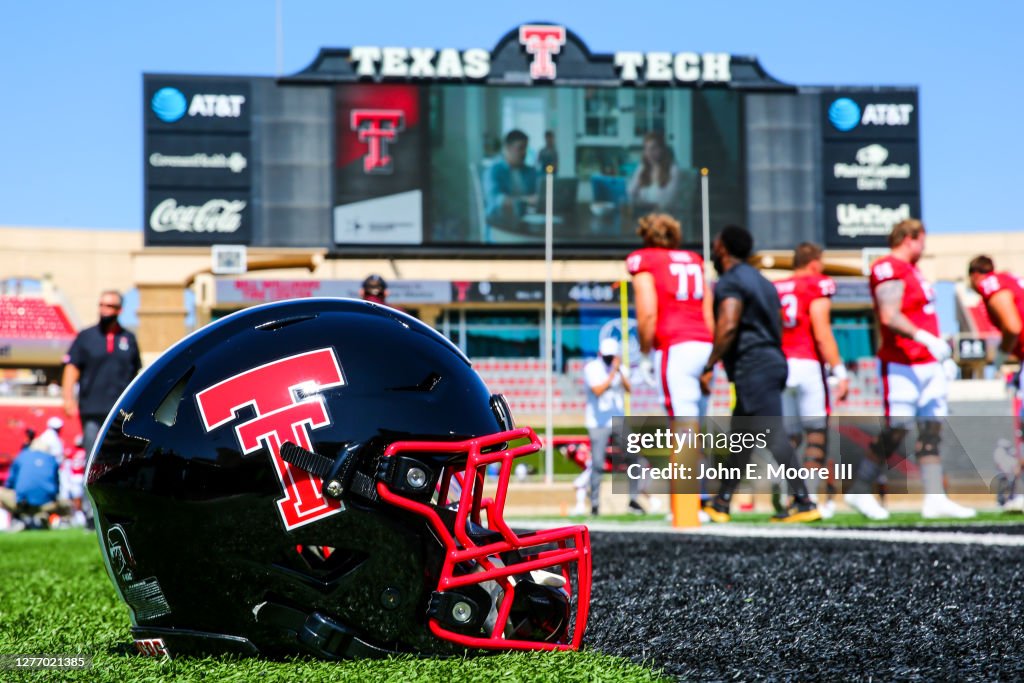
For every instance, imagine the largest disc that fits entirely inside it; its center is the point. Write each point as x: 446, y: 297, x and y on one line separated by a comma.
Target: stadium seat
x: 26, y: 317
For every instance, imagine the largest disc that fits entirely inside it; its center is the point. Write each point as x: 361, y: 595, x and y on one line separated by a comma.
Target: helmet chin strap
x: 339, y: 475
x: 321, y: 635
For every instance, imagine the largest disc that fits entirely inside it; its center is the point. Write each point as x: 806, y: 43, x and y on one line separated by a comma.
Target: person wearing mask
x: 748, y: 341
x: 101, y: 363
x: 607, y: 384
x: 374, y: 289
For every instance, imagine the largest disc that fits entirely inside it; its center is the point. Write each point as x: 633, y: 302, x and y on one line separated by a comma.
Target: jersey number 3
x: 789, y: 310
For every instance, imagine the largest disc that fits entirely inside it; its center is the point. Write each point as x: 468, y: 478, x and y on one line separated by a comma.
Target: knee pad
x: 815, y: 450
x: 929, y: 435
x: 888, y: 441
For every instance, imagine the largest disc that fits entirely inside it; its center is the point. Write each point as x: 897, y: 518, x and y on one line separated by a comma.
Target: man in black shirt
x: 748, y: 340
x: 102, y: 361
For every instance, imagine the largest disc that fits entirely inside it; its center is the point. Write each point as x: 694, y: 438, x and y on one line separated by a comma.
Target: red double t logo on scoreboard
x: 377, y: 128
x: 543, y: 42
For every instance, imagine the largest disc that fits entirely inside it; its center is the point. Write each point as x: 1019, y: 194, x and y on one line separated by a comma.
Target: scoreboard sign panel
x: 177, y: 217
x: 855, y: 221
x: 888, y: 114
x: 198, y: 160
x: 193, y: 104
x: 871, y: 164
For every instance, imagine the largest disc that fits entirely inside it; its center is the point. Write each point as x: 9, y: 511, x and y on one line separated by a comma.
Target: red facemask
x: 498, y: 589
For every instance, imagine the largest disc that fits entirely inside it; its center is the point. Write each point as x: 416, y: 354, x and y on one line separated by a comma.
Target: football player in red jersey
x: 674, y: 318
x: 673, y: 313
x: 811, y: 354
x: 1003, y: 295
x: 914, y: 382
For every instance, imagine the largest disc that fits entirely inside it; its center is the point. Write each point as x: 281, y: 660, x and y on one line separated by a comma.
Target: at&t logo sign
x: 844, y: 114
x: 170, y: 105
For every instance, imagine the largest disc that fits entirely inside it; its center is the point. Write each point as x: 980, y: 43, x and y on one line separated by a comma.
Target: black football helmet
x: 309, y: 476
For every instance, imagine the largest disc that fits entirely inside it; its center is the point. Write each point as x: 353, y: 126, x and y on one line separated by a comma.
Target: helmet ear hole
x: 167, y: 412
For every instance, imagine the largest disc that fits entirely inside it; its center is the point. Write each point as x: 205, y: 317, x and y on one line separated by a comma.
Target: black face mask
x: 107, y: 320
x: 607, y: 359
x: 719, y: 266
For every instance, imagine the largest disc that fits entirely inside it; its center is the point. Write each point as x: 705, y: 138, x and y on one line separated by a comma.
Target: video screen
x: 615, y: 154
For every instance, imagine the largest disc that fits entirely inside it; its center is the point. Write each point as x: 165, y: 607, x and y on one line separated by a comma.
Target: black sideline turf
x: 713, y: 608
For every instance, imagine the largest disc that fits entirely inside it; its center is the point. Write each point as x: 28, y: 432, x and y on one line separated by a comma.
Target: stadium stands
x: 35, y: 333
x: 522, y: 383
x: 29, y: 317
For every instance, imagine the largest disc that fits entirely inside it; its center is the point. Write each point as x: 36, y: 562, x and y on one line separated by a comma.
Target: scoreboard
x: 438, y: 151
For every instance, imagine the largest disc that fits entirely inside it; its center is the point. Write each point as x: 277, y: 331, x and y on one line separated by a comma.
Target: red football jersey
x: 997, y: 282
x: 796, y: 295
x: 918, y: 306
x: 679, y: 281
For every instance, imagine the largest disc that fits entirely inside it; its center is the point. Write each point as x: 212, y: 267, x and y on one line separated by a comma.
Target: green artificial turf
x: 844, y: 519
x: 56, y: 600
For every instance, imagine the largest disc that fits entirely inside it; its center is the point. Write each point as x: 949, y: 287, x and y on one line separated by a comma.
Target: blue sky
x: 71, y: 84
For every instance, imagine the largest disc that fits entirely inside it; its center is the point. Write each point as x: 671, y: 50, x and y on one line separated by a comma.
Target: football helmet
x: 309, y: 476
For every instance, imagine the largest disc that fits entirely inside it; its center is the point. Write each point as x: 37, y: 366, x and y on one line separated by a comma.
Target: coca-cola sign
x: 192, y: 217
x: 216, y: 215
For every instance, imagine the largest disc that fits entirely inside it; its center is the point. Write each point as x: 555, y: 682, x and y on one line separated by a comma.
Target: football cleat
x: 938, y: 505
x: 865, y: 504
x: 798, y: 513
x: 1014, y: 504
x: 717, y: 510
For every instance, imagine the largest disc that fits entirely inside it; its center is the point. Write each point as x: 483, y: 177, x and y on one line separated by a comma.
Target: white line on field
x: 777, y: 532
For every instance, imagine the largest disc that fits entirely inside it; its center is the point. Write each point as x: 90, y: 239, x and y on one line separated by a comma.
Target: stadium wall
x: 82, y: 262
x: 79, y: 262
